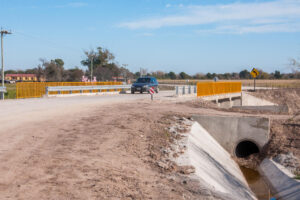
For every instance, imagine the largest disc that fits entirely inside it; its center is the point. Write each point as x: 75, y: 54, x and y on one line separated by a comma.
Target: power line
x: 3, y: 32
x: 54, y: 44
x: 51, y: 44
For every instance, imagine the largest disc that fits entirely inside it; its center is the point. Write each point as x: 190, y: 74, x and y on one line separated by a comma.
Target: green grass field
x: 11, y: 91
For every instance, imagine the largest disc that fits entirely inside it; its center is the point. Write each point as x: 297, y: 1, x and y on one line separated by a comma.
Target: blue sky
x: 167, y: 35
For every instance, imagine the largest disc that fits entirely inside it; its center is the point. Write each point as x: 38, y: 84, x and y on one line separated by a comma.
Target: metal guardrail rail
x: 90, y: 88
x: 38, y: 89
x: 3, y: 89
x: 185, y: 89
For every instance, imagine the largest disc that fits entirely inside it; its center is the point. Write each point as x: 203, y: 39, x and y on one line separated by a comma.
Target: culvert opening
x: 246, y: 148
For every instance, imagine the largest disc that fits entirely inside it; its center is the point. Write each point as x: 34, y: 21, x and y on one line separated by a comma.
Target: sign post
x: 151, y: 91
x: 254, y: 74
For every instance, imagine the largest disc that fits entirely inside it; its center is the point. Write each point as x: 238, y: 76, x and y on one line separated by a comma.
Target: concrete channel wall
x: 229, y: 131
x: 214, y: 167
x: 283, y: 186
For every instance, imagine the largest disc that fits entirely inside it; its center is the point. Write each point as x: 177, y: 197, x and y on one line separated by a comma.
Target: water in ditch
x: 256, y: 183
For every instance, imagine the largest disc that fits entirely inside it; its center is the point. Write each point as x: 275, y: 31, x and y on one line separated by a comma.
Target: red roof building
x: 21, y: 77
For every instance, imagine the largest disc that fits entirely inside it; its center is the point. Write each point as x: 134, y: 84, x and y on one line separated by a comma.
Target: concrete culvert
x: 246, y: 148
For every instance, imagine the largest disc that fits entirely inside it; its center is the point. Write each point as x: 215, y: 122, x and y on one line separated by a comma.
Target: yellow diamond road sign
x: 254, y: 73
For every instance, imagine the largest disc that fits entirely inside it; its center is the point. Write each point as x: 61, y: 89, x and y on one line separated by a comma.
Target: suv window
x: 143, y: 80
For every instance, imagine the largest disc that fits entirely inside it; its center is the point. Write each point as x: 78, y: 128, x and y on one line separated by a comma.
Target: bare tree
x: 294, y: 64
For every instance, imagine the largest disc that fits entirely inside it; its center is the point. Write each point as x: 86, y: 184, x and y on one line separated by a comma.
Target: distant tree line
x: 52, y: 71
x: 104, y: 68
x: 102, y: 62
x: 244, y: 74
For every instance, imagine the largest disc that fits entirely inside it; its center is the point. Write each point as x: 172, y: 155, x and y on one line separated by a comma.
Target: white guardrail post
x: 185, y: 89
x: 2, y: 91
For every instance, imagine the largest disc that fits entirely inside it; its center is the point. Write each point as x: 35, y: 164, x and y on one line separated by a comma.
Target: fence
x: 38, y: 89
x: 215, y: 88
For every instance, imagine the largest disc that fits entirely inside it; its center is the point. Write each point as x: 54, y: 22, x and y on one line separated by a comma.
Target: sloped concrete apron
x: 214, y: 167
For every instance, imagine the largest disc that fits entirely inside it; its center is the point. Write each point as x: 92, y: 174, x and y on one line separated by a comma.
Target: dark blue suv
x: 143, y: 84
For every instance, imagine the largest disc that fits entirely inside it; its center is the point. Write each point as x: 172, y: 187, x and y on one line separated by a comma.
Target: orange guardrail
x: 215, y: 88
x: 38, y: 89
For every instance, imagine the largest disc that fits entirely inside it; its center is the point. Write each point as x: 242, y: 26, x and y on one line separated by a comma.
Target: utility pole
x: 92, y: 62
x: 3, y: 32
x: 91, y: 56
x: 124, y: 73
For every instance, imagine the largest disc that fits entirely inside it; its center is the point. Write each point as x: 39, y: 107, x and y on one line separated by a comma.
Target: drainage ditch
x: 256, y: 183
x: 253, y: 177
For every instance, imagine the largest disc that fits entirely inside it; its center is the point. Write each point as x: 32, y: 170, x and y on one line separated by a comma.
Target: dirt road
x: 92, y: 148
x: 85, y: 148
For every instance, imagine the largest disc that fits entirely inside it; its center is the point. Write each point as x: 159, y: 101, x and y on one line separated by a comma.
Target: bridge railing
x: 82, y: 89
x: 185, y: 89
x: 216, y: 88
x: 38, y: 89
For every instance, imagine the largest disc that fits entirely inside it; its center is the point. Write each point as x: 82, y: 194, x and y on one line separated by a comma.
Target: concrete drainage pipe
x: 246, y: 148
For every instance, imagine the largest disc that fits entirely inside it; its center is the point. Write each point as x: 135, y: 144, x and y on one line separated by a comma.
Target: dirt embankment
x: 289, y: 97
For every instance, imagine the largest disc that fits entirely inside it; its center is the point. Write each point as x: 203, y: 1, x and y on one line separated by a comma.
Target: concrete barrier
x: 283, y: 186
x: 237, y: 133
